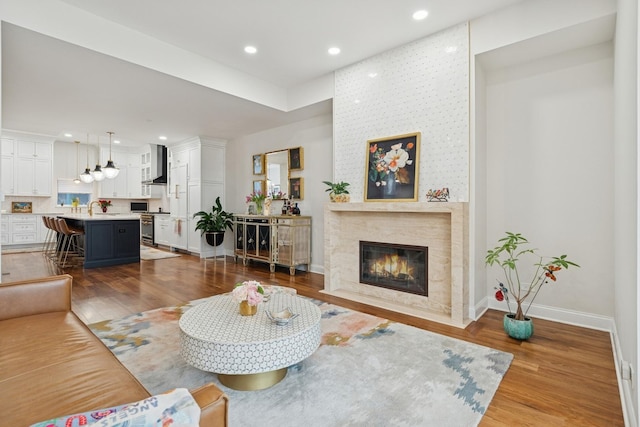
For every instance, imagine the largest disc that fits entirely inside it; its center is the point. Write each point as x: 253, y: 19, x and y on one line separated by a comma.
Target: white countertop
x: 99, y: 216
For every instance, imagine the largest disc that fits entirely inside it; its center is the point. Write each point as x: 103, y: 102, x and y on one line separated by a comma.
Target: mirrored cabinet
x: 277, y: 240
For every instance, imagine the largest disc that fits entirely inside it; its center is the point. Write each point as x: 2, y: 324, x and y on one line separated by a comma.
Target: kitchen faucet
x: 91, y: 207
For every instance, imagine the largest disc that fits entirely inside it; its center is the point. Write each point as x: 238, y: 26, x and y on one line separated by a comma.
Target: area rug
x: 147, y: 254
x: 367, y: 371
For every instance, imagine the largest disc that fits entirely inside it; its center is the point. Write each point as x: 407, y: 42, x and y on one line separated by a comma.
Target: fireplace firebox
x: 394, y: 266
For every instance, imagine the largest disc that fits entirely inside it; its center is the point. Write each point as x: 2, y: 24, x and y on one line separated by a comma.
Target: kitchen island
x: 109, y: 239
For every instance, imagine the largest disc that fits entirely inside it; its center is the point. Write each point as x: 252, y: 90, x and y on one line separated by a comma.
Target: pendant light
x: 77, y: 180
x: 86, y: 176
x: 110, y: 170
x: 97, y: 173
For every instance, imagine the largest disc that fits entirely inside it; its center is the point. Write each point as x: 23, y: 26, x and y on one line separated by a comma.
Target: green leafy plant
x: 513, y: 249
x: 337, y: 187
x: 215, y: 221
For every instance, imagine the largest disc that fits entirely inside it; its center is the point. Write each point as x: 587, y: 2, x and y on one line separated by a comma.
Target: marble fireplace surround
x: 441, y: 226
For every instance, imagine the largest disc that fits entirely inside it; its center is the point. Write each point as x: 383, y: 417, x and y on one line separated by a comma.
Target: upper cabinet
x: 146, y: 166
x: 27, y: 165
x: 127, y: 185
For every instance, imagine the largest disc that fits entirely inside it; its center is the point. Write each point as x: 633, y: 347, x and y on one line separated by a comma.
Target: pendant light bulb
x: 110, y: 170
x: 97, y: 173
x: 86, y: 176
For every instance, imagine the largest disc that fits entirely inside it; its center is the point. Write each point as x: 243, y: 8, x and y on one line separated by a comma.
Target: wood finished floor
x: 563, y: 376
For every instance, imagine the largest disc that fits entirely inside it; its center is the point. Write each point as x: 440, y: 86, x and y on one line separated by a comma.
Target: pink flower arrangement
x: 250, y: 291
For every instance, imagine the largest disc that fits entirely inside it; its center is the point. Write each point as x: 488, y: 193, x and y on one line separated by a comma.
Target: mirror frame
x: 284, y: 187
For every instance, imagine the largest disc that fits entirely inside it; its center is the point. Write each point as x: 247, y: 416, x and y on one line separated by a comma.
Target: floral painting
x: 392, y: 168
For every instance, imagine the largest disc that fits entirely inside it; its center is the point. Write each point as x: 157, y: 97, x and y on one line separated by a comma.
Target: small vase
x: 258, y: 208
x: 518, y: 329
x: 104, y: 210
x: 247, y: 310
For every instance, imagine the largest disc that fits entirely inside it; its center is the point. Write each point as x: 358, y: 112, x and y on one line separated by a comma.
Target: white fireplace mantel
x: 441, y: 226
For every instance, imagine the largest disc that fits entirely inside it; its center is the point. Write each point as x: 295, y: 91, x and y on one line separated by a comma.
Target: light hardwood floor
x: 563, y: 376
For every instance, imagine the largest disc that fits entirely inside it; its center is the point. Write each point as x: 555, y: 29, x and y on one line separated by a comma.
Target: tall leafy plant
x: 512, y: 250
x: 215, y: 221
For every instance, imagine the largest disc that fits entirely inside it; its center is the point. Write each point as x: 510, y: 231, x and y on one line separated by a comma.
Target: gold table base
x: 250, y: 382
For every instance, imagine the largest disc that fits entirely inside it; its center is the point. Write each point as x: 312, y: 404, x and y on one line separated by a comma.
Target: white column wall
x: 625, y: 268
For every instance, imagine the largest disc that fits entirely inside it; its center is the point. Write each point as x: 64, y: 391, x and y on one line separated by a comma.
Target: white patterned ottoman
x: 248, y: 352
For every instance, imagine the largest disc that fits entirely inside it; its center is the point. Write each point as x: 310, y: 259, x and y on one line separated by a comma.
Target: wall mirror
x: 277, y: 164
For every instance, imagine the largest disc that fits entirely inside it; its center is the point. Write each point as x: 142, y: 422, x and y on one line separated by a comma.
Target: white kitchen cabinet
x: 7, y: 159
x: 21, y: 229
x: 178, y: 234
x: 27, y: 164
x: 5, y: 236
x: 127, y: 184
x: 32, y: 166
x: 161, y: 229
x: 33, y: 177
x: 205, y: 158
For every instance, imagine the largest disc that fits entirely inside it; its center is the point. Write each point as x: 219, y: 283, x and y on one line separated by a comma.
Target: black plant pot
x: 215, y: 238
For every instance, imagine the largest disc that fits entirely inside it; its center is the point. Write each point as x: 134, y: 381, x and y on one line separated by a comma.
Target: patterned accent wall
x: 422, y: 86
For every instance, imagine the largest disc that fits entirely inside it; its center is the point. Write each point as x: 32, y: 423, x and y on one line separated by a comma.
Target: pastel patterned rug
x: 367, y: 371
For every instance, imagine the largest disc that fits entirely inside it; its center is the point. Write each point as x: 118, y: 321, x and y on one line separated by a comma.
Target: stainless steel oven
x: 146, y: 229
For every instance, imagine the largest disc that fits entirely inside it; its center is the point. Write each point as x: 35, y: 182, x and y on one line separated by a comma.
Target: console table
x: 274, y: 239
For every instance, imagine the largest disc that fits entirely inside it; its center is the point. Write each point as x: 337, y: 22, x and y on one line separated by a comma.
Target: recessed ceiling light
x: 116, y: 141
x: 420, y: 15
x: 334, y: 50
x: 357, y: 101
x: 372, y: 75
x: 250, y: 49
x: 163, y: 138
x: 68, y: 135
x: 451, y: 49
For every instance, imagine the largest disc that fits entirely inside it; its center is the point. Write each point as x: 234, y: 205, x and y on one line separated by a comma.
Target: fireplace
x: 394, y: 266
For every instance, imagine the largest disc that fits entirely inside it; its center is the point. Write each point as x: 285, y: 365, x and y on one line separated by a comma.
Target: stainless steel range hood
x: 158, y: 165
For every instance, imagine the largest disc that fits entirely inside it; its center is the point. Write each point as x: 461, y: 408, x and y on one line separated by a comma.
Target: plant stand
x: 215, y: 240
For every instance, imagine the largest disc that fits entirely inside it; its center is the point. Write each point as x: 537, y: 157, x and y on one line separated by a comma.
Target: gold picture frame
x: 391, y: 169
x: 259, y: 186
x: 296, y: 159
x: 296, y: 188
x: 258, y: 164
x: 21, y: 207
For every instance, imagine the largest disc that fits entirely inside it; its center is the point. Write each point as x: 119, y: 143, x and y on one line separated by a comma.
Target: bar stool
x: 51, y: 238
x: 73, y: 242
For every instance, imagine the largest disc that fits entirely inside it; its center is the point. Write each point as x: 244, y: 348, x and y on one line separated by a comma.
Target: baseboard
x: 317, y: 268
x: 625, y: 386
x: 570, y: 317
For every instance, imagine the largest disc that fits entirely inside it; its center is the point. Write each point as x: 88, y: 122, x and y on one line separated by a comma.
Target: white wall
x: 626, y: 199
x: 315, y: 136
x: 549, y: 170
x: 419, y: 87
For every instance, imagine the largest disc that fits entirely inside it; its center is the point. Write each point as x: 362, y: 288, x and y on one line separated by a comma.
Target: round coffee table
x: 248, y: 352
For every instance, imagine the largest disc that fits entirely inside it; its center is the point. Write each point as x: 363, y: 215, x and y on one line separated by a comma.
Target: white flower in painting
x: 396, y: 158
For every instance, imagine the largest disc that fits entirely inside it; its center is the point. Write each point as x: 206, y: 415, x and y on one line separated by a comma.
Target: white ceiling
x: 51, y: 87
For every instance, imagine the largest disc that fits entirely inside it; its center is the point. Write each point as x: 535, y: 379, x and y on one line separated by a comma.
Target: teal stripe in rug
x: 367, y: 371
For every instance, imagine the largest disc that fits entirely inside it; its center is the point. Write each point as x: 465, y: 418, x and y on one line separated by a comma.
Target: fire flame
x: 393, y: 266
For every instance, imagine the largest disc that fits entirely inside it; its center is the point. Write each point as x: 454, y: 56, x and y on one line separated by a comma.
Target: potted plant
x: 104, y: 204
x: 510, y: 251
x: 213, y: 224
x: 338, y: 191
